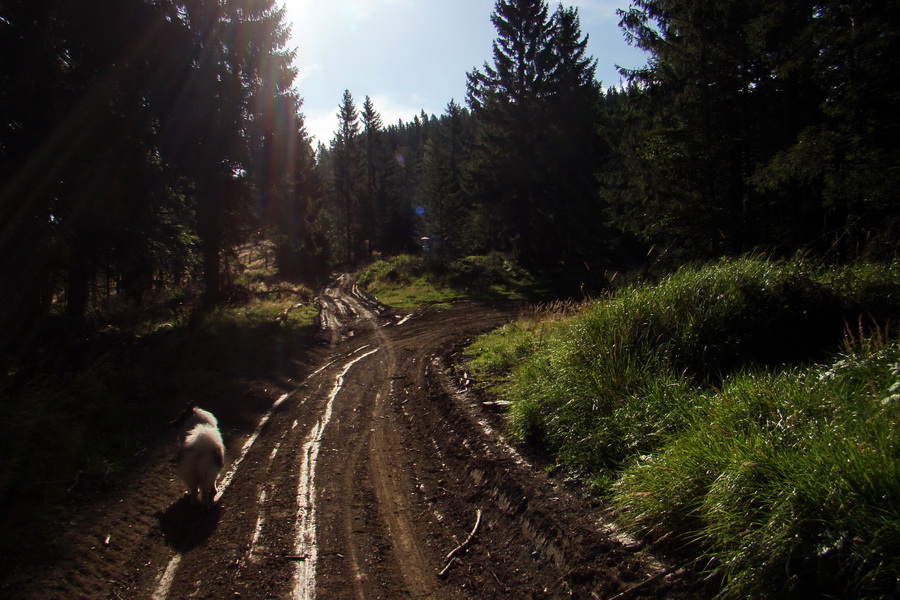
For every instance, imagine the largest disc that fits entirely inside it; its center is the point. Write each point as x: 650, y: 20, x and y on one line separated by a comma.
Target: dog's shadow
x: 187, y: 524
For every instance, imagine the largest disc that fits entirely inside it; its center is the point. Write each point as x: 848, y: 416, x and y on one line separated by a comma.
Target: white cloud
x: 392, y: 110
x: 321, y: 125
x: 304, y: 71
x: 592, y: 11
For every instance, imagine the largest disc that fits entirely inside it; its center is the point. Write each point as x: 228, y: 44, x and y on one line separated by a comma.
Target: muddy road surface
x: 378, y: 475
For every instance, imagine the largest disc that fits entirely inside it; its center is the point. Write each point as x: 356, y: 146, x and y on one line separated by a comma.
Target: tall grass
x: 790, y: 480
x: 697, y: 408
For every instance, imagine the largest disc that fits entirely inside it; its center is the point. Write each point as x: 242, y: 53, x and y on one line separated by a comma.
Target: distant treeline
x: 140, y: 140
x: 766, y: 124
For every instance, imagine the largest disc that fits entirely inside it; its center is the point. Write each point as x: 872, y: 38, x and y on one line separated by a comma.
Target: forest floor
x: 356, y: 483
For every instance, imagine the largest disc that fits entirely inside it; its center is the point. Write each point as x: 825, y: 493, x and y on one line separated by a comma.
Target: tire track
x: 306, y: 549
x: 391, y: 485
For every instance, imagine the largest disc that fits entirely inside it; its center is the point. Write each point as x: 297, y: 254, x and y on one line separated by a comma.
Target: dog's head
x: 188, y: 411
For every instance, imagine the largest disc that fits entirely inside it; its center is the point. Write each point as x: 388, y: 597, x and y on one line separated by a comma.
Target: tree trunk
x: 209, y: 227
x: 78, y: 285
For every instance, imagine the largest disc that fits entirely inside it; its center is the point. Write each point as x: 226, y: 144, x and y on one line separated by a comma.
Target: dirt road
x: 357, y: 484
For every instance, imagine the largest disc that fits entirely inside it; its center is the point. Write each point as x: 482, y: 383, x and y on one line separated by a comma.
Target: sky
x: 413, y: 55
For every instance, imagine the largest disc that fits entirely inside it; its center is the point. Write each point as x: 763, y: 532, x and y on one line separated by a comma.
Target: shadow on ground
x: 186, y: 524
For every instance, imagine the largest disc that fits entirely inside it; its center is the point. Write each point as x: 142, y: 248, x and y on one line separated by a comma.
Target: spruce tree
x: 346, y: 173
x: 521, y: 161
x: 445, y: 214
x: 764, y: 123
x: 372, y: 199
x: 696, y: 140
x: 151, y: 112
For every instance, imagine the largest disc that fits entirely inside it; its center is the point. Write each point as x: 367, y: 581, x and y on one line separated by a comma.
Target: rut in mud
x: 356, y: 484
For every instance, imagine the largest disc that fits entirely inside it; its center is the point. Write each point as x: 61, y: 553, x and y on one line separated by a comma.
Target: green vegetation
x: 407, y: 282
x: 791, y: 480
x: 140, y: 199
x: 745, y: 411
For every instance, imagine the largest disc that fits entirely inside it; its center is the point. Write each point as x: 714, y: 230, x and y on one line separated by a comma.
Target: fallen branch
x: 443, y: 572
x: 286, y: 312
x: 452, y: 555
x: 297, y: 557
x: 635, y: 588
x: 500, y: 405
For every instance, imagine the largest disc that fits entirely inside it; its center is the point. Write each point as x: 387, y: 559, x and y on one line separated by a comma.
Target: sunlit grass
x: 413, y: 294
x: 409, y: 282
x: 404, y: 282
x: 697, y: 408
x: 791, y: 480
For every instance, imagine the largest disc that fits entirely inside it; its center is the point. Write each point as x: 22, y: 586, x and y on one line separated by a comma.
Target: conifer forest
x: 142, y: 140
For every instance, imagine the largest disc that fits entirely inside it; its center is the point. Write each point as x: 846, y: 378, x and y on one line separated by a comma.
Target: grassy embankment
x: 75, y: 422
x: 746, y: 412
x: 409, y: 282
